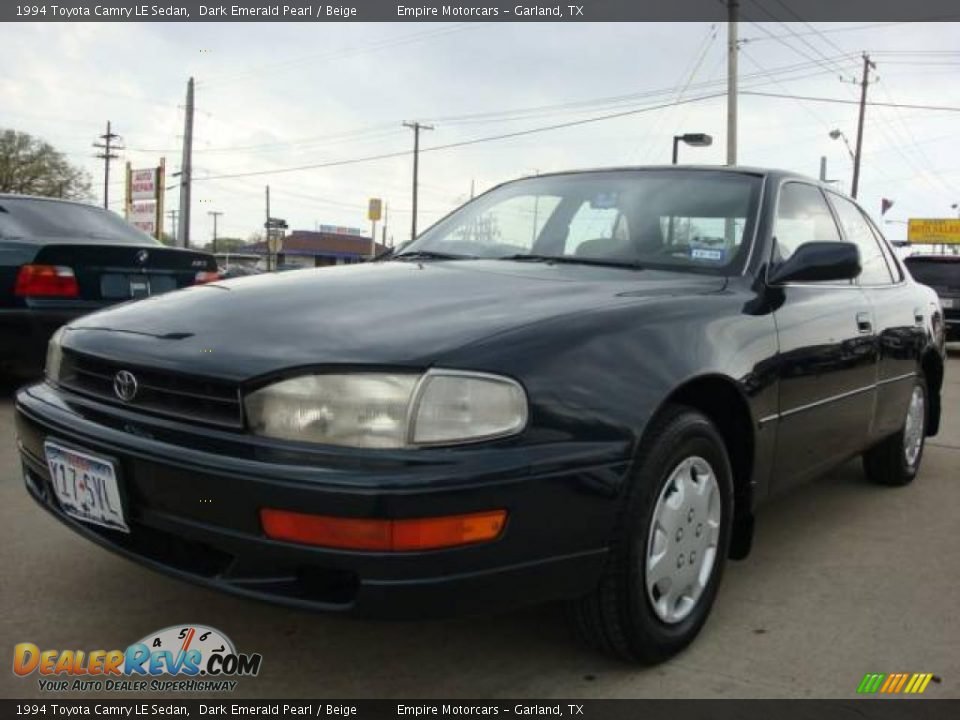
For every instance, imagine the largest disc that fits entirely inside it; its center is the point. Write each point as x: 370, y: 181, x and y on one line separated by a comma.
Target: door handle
x: 864, y: 325
x: 917, y: 316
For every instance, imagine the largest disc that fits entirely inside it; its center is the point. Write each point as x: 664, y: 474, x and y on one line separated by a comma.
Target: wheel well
x: 932, y: 366
x: 720, y: 400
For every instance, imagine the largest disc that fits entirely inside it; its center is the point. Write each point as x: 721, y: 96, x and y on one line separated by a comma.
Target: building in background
x: 331, y: 245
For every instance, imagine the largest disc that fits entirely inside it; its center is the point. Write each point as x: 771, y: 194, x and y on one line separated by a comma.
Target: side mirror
x: 817, y: 262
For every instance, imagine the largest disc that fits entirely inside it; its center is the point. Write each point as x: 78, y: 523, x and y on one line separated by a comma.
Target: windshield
x: 28, y: 217
x: 698, y: 220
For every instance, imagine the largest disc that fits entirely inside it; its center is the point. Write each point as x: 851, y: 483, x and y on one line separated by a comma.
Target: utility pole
x: 732, y: 52
x: 186, y: 169
x: 416, y: 127
x: 383, y: 230
x: 107, y: 156
x: 172, y: 214
x: 214, y: 214
x: 266, y: 229
x: 864, y: 81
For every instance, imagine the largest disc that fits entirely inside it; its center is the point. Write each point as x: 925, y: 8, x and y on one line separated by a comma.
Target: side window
x: 857, y: 230
x: 802, y: 216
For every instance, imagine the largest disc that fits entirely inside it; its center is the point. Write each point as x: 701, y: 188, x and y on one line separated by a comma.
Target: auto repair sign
x: 143, y: 184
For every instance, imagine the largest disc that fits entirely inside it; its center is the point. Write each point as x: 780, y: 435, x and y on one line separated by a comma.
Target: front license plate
x: 949, y: 303
x: 86, y: 486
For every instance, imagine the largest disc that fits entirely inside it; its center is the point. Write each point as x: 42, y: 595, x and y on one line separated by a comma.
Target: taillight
x: 46, y: 281
x: 205, y: 276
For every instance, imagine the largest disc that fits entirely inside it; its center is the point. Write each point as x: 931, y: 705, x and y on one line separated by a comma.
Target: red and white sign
x: 143, y: 184
x: 143, y: 216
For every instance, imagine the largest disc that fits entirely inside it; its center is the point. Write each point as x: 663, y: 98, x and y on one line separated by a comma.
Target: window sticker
x: 604, y: 201
x: 706, y: 254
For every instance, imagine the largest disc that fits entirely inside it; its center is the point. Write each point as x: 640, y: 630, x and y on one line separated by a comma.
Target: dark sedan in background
x: 577, y: 386
x: 60, y: 260
x: 942, y: 273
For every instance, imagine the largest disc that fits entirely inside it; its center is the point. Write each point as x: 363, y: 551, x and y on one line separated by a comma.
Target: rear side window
x: 892, y: 261
x: 65, y: 222
x: 857, y: 230
x: 802, y: 216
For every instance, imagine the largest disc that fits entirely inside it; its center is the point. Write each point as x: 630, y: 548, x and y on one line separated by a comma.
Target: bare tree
x: 30, y: 166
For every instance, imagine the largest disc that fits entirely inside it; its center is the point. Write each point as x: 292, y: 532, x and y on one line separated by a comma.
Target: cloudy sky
x: 271, y: 97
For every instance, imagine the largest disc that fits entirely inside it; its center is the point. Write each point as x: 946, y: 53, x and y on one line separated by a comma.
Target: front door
x: 827, y: 361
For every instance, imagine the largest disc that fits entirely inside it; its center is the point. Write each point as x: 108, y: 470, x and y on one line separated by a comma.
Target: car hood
x: 383, y: 314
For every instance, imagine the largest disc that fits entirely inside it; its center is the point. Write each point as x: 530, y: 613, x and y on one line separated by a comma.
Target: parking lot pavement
x: 845, y: 578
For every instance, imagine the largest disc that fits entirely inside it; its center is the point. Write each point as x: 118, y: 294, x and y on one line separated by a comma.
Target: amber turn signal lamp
x: 383, y: 535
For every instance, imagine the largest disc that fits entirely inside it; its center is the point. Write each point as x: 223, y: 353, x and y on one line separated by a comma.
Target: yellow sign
x: 934, y: 231
x: 374, y: 209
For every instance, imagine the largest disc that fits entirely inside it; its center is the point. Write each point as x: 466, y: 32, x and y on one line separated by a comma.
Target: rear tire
x: 669, y: 547
x: 896, y: 460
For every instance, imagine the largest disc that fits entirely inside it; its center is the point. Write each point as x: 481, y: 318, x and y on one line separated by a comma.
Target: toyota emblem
x: 125, y: 385
x: 142, y: 257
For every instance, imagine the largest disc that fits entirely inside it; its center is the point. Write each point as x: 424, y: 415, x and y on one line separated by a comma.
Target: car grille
x: 185, y: 397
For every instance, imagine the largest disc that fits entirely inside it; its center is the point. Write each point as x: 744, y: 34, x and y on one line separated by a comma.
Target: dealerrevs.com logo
x: 199, y: 659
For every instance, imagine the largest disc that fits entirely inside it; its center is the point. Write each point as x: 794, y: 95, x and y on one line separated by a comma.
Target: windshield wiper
x: 431, y: 255
x: 573, y: 260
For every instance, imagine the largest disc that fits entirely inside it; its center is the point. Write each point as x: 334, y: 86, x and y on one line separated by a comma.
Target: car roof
x: 773, y: 173
x: 18, y: 196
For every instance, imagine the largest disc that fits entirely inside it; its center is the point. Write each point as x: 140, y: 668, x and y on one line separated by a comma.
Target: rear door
x: 899, y: 320
x: 827, y: 362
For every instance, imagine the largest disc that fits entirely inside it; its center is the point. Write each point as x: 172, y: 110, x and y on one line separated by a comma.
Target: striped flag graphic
x: 906, y: 683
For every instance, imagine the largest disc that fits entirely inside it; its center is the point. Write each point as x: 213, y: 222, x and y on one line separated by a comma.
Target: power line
x: 813, y: 98
x: 558, y: 126
x: 815, y: 31
x: 766, y: 75
x: 379, y: 45
x: 462, y: 143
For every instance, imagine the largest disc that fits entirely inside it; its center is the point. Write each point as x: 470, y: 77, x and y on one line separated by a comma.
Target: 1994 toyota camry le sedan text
x: 578, y: 386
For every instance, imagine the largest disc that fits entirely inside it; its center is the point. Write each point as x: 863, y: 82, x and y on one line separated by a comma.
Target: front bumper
x: 194, y: 513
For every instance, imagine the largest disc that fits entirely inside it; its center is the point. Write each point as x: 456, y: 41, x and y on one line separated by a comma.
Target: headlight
x: 54, y: 356
x: 456, y: 407
x: 388, y: 410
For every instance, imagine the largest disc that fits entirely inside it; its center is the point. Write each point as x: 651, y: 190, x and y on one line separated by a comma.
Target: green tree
x: 31, y: 166
x: 226, y: 244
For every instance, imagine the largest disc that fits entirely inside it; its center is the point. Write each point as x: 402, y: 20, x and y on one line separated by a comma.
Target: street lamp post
x: 692, y: 139
x: 838, y: 135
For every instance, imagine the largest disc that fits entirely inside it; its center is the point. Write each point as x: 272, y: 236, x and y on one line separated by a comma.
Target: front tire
x: 670, y: 546
x: 896, y: 460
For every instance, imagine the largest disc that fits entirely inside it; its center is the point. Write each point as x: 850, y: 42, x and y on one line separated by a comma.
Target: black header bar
x: 475, y: 10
